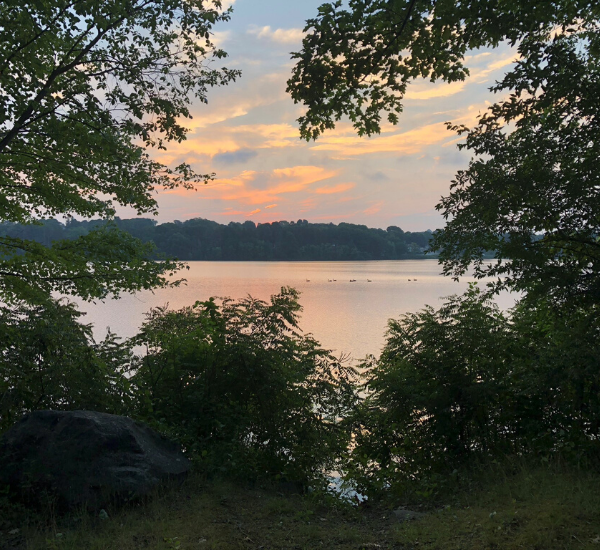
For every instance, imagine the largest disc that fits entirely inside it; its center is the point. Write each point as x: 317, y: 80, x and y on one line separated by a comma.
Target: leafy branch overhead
x: 86, y: 87
x: 357, y: 61
x: 532, y: 192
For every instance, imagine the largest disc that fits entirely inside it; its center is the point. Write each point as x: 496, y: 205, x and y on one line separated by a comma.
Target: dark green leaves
x: 357, y: 61
x: 48, y: 360
x: 532, y: 193
x: 85, y: 88
x: 466, y: 384
x: 243, y: 389
x: 105, y: 261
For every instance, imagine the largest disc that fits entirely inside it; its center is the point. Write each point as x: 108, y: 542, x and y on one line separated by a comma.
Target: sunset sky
x: 249, y: 137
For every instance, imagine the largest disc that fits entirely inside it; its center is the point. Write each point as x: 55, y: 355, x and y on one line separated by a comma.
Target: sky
x: 248, y: 135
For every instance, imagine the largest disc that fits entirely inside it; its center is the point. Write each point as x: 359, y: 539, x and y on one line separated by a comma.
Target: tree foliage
x: 86, y: 87
x: 435, y: 396
x: 467, y: 384
x: 244, y: 391
x: 49, y: 360
x: 532, y: 192
x: 357, y: 61
x: 199, y: 239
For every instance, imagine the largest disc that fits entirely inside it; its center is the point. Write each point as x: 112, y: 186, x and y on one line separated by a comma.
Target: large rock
x: 84, y: 458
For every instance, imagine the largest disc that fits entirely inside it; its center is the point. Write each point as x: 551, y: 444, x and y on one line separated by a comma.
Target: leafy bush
x: 558, y: 378
x: 242, y: 389
x: 49, y: 360
x: 468, y: 384
x: 434, y: 396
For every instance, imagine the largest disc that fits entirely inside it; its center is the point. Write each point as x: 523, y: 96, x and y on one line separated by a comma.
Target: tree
x: 49, y: 360
x: 435, y: 396
x: 532, y: 193
x: 86, y: 88
x: 242, y: 389
x: 467, y: 383
x: 358, y: 61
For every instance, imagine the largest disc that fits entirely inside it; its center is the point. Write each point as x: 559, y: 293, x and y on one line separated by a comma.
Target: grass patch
x: 532, y: 509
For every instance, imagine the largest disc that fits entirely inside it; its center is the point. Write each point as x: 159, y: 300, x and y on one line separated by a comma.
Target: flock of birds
x: 353, y: 280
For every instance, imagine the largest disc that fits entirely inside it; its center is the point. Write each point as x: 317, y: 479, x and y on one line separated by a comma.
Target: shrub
x: 468, y: 384
x: 559, y: 378
x: 434, y: 396
x: 242, y: 389
x: 49, y: 360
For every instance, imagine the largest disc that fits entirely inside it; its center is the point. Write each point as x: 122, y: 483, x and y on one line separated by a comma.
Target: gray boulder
x: 85, y: 458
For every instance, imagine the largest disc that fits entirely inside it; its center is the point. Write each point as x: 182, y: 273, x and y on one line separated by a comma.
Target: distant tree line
x: 200, y: 239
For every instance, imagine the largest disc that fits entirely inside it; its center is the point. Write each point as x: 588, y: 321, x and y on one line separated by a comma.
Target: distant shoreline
x: 205, y: 240
x: 306, y: 261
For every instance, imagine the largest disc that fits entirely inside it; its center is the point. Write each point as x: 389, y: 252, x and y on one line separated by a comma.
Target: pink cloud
x: 278, y: 182
x: 374, y: 209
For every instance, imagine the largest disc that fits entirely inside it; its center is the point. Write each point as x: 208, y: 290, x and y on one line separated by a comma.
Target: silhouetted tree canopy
x: 358, y: 58
x: 87, y: 87
x: 200, y: 239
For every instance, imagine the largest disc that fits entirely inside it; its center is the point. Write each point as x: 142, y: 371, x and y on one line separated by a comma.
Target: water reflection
x: 347, y: 317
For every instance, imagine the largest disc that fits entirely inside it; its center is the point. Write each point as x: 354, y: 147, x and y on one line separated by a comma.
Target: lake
x: 346, y: 317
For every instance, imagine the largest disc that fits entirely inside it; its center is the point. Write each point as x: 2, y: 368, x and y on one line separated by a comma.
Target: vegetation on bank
x: 249, y: 395
x: 509, y: 508
x: 200, y: 239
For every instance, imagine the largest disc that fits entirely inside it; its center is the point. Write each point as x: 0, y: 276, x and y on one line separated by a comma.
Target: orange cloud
x: 229, y: 139
x: 194, y: 145
x: 272, y: 185
x: 374, y: 209
x: 423, y: 89
x: 276, y: 131
x: 238, y: 181
x: 270, y: 206
x: 341, y: 188
x: 482, y: 74
x: 427, y: 90
x: 274, y: 135
x: 253, y: 212
x: 405, y: 143
x: 237, y: 102
x: 307, y: 205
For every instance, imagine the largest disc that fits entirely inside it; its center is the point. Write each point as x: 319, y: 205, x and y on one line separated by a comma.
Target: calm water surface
x: 346, y: 317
